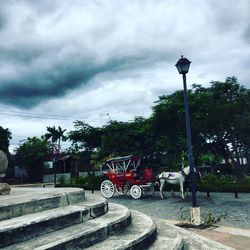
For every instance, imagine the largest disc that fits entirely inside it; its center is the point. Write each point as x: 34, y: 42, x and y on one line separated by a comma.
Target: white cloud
x: 89, y: 58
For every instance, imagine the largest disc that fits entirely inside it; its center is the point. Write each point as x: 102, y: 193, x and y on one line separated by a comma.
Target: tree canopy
x: 219, y: 120
x: 31, y: 156
x: 5, y: 136
x: 56, y: 135
x: 220, y: 126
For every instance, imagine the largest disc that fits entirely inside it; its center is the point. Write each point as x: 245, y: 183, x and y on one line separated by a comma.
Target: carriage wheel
x: 136, y: 191
x: 107, y: 189
x: 122, y: 190
x: 150, y: 190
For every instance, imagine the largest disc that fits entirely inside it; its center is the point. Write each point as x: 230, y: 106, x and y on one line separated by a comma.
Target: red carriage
x: 126, y: 174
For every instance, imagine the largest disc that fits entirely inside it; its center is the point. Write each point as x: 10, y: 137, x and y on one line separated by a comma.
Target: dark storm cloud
x: 86, y: 58
x: 31, y: 88
x: 35, y: 87
x: 229, y: 17
x: 2, y: 21
x: 3, y: 16
x: 246, y: 34
x: 224, y: 16
x: 48, y: 48
x: 37, y: 64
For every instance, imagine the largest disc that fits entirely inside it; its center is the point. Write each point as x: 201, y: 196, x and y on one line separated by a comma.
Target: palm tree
x: 56, y: 135
x: 52, y: 134
x: 60, y: 135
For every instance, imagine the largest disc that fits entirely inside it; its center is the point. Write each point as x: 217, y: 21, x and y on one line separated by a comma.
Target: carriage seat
x: 145, y: 174
x: 120, y: 175
x: 139, y: 174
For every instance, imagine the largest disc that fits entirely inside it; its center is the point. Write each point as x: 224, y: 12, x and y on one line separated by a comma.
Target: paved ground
x: 237, y: 210
x: 234, y: 231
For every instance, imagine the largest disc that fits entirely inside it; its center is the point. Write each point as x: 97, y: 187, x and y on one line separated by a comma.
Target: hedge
x: 89, y: 182
x: 211, y: 183
x: 224, y: 183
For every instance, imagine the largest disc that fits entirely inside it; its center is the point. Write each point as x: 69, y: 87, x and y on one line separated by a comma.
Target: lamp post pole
x: 189, y: 142
x: 183, y: 66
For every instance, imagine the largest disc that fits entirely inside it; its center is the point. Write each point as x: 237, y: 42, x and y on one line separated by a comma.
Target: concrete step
x: 139, y: 235
x: 171, y: 237
x: 32, y: 225
x: 81, y: 235
x: 97, y: 205
x: 193, y: 241
x: 168, y: 237
x: 24, y: 200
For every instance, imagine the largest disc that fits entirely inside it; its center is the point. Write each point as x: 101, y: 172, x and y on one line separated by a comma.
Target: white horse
x: 174, y: 178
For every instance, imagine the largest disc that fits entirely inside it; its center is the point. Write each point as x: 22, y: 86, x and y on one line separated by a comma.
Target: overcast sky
x: 80, y: 59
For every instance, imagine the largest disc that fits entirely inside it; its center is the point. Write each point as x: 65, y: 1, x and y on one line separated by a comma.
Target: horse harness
x: 169, y: 175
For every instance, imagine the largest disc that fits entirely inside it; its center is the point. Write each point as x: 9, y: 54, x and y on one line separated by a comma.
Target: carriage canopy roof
x: 121, y: 164
x: 124, y: 158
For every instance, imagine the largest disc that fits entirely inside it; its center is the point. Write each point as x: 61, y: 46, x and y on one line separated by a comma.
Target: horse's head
x: 186, y: 170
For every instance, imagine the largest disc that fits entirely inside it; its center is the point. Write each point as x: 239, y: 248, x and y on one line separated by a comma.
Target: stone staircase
x: 63, y: 218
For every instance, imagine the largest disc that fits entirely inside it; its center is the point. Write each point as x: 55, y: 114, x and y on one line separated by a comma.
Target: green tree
x: 31, y: 156
x: 52, y: 134
x: 85, y: 139
x: 116, y: 139
x: 228, y: 119
x: 56, y: 135
x: 125, y: 138
x: 219, y: 118
x: 61, y: 136
x: 85, y: 136
x: 120, y: 138
x: 220, y: 126
x: 168, y: 120
x: 5, y: 137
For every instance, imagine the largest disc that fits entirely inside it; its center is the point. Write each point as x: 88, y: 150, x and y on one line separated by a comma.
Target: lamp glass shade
x: 183, y: 65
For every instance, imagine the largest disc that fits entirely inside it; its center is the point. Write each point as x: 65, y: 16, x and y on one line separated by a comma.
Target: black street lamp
x: 183, y: 66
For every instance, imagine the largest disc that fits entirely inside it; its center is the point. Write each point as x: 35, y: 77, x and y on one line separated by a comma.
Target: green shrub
x: 62, y: 180
x: 211, y: 179
x: 81, y: 180
x: 90, y: 182
x: 224, y: 183
x: 208, y: 219
x: 247, y: 180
